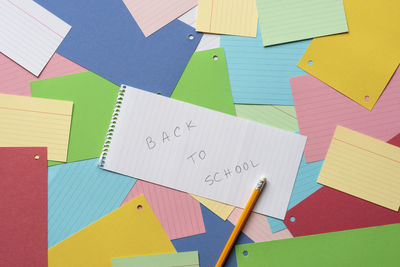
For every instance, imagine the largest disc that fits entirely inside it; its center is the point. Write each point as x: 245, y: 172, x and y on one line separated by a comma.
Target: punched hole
x: 215, y: 58
x: 124, y: 86
x: 310, y: 62
x: 191, y: 37
x: 366, y: 98
x: 36, y: 157
x: 139, y: 207
x: 245, y: 253
x: 158, y: 93
x: 292, y: 219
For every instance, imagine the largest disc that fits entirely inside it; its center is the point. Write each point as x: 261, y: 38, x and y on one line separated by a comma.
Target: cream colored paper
x: 222, y: 210
x: 30, y: 121
x: 364, y: 167
x: 235, y: 17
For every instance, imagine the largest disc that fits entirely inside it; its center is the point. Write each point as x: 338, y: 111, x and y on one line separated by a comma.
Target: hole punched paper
x: 200, y: 151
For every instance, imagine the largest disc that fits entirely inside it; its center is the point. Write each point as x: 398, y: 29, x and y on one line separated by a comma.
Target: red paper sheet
x: 329, y: 210
x: 23, y: 206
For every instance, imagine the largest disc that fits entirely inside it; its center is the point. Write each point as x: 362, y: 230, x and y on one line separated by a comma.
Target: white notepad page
x: 201, y: 151
x: 29, y: 34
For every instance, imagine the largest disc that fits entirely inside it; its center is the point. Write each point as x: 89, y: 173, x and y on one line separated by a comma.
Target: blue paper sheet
x: 305, y: 185
x: 258, y: 74
x: 211, y: 244
x: 106, y: 40
x: 79, y: 193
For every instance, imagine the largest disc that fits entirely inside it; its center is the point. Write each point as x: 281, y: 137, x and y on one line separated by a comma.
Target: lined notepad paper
x: 320, y: 108
x: 28, y: 121
x: 15, y: 79
x: 29, y: 34
x: 79, y: 194
x: 208, y: 41
x: 260, y: 75
x: 286, y: 21
x: 257, y: 227
x: 359, y: 63
x: 151, y: 15
x: 201, y: 151
x: 364, y: 167
x: 179, y: 214
x: 235, y: 17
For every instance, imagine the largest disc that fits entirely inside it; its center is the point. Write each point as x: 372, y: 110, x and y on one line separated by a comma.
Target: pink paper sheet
x: 257, y: 227
x: 15, y: 80
x: 179, y: 214
x: 151, y: 15
x: 320, y: 108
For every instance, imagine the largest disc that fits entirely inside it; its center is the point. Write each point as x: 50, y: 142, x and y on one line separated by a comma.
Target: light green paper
x: 205, y: 82
x: 374, y: 246
x: 286, y: 21
x: 283, y: 117
x: 94, y: 100
x: 161, y: 260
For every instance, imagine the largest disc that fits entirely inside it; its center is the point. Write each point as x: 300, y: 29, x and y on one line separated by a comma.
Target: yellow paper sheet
x: 364, y: 167
x: 29, y: 121
x: 222, y: 210
x: 234, y: 17
x: 360, y: 63
x: 131, y: 230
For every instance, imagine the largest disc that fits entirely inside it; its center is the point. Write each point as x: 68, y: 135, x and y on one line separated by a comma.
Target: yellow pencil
x: 242, y: 220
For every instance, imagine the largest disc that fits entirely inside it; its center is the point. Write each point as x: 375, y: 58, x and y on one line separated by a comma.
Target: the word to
x: 166, y: 137
x: 239, y: 169
x: 201, y: 156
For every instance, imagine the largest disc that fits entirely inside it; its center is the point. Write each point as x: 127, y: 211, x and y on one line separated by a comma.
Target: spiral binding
x: 111, y: 128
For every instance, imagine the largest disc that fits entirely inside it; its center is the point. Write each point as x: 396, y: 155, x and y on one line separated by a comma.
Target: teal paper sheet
x: 79, y: 193
x: 305, y: 185
x: 258, y: 74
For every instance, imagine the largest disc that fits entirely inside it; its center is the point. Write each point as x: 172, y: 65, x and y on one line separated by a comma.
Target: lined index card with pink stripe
x: 152, y: 15
x: 179, y: 214
x: 29, y: 34
x: 320, y: 109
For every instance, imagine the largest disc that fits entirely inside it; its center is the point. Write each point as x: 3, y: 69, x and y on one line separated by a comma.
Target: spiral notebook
x: 201, y: 151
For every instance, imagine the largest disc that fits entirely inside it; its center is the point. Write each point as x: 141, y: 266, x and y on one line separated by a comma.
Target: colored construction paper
x: 15, y: 79
x: 94, y: 100
x: 395, y: 140
x: 359, y: 63
x: 283, y: 117
x: 167, y: 260
x: 329, y: 210
x: 23, y: 206
x: 208, y: 41
x: 178, y: 213
x: 260, y: 75
x: 292, y: 20
x: 305, y: 185
x: 257, y: 227
x: 205, y: 82
x: 206, y: 153
x: 131, y: 230
x: 211, y: 244
x: 108, y: 41
x: 152, y: 15
x: 320, y: 108
x: 80, y: 194
x: 375, y: 246
x: 364, y: 167
x: 236, y: 17
x: 29, y: 34
x: 30, y: 121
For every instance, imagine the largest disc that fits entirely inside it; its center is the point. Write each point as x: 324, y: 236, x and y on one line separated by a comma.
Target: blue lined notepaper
x: 106, y: 39
x: 258, y: 74
x: 305, y: 185
x: 79, y: 193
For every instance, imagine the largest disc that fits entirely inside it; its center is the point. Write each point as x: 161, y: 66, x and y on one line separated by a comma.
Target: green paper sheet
x: 161, y: 260
x: 205, y: 82
x: 94, y: 100
x: 374, y: 246
x: 283, y: 117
